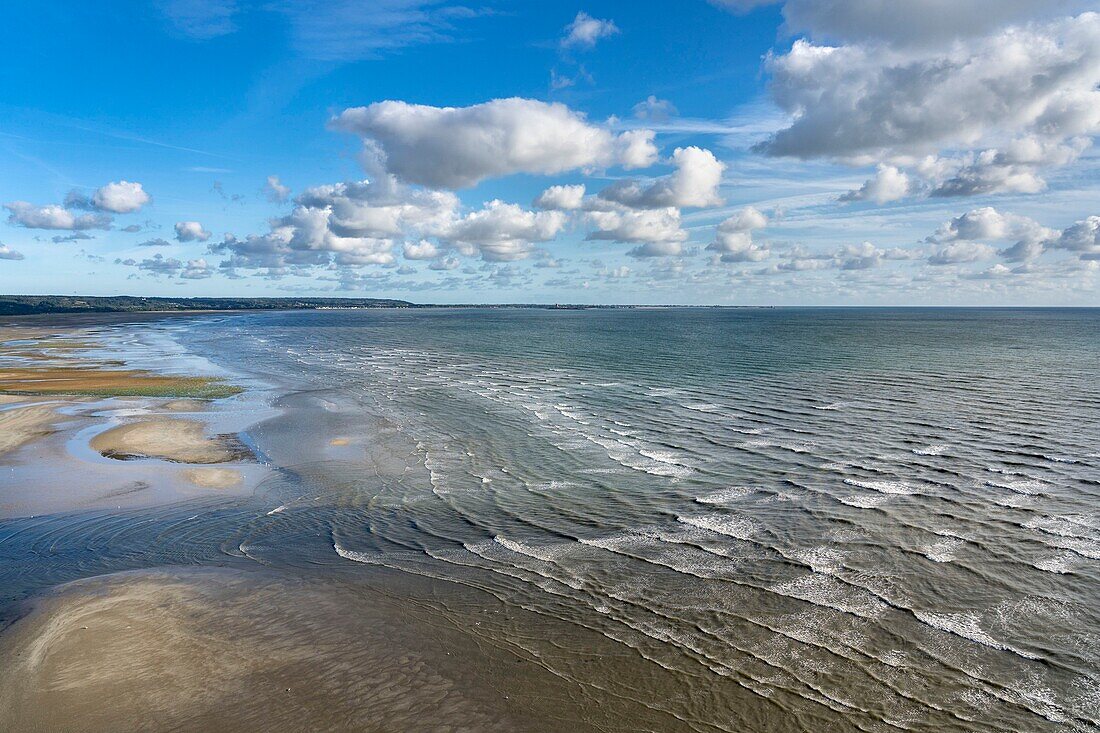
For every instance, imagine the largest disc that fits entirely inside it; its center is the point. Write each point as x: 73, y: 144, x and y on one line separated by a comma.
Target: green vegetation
x: 18, y: 305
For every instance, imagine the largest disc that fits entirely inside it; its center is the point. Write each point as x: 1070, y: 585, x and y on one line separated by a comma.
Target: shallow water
x: 770, y: 519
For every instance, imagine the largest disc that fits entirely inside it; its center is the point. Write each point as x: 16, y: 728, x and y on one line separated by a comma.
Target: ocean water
x: 762, y: 519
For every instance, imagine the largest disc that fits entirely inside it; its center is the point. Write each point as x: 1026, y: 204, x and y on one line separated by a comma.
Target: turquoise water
x: 778, y: 519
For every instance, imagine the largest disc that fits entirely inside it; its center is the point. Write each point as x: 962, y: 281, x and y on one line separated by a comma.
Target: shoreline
x: 76, y: 399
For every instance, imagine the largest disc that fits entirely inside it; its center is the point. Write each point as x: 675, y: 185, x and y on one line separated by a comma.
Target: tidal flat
x: 787, y: 520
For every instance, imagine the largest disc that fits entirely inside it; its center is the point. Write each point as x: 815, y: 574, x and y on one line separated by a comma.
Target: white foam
x: 726, y: 495
x: 1030, y: 487
x: 277, y: 510
x: 355, y: 556
x: 827, y: 592
x: 741, y: 528
x: 1062, y: 564
x: 899, y: 488
x: 825, y: 559
x: 932, y: 450
x: 968, y: 626
x: 546, y: 553
x: 862, y: 502
x: 942, y: 551
x: 702, y: 406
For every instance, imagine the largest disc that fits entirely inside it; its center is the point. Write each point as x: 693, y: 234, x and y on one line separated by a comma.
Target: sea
x: 697, y: 519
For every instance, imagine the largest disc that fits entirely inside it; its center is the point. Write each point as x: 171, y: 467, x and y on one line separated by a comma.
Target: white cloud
x: 561, y: 198
x: 888, y: 184
x: 859, y: 256
x: 53, y: 217
x: 654, y: 109
x: 1031, y: 239
x: 120, y: 197
x: 276, y: 192
x: 445, y: 263
x: 423, y: 250
x: 7, y: 253
x: 456, y: 147
x: 653, y: 226
x: 874, y: 101
x: 352, y: 223
x: 988, y: 224
x: 502, y: 231
x: 197, y: 269
x: 695, y: 183
x: 1015, y: 169
x: 960, y: 252
x: 733, y: 237
x: 1082, y: 237
x: 914, y: 21
x: 191, y: 231
x: 585, y: 30
x: 657, y: 249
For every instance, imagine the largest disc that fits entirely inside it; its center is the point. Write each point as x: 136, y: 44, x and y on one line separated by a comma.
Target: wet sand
x: 180, y: 441
x: 226, y: 650
x: 22, y: 424
x: 71, y: 406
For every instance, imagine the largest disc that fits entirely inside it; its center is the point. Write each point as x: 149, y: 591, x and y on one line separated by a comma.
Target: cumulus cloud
x: 196, y: 269
x: 1014, y: 169
x: 960, y: 252
x: 350, y: 223
x: 561, y: 198
x: 422, y: 250
x: 1030, y: 238
x: 503, y: 232
x: 888, y: 184
x: 733, y: 237
x: 157, y: 265
x: 74, y: 237
x: 585, y: 30
x: 918, y: 22
x: 53, y: 217
x: 914, y: 22
x: 191, y: 231
x: 445, y: 263
x: 158, y: 242
x: 120, y: 197
x: 989, y: 225
x: 646, y: 226
x: 456, y: 147
x: 7, y: 253
x: 862, y: 256
x: 353, y: 224
x: 160, y: 266
x: 1082, y: 237
x: 868, y: 100
x: 275, y: 191
x: 695, y: 183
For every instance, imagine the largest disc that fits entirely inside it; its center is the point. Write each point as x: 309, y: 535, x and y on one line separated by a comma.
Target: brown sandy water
x: 224, y: 650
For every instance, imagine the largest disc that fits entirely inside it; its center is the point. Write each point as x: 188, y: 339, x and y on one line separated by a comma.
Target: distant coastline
x: 25, y: 305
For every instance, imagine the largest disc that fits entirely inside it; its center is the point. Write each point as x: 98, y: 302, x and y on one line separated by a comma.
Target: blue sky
x: 731, y: 152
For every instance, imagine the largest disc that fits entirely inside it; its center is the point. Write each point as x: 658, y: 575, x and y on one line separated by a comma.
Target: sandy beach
x: 71, y: 406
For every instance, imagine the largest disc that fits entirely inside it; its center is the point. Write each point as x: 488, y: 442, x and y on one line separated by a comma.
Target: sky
x: 727, y: 152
